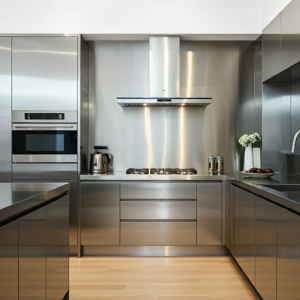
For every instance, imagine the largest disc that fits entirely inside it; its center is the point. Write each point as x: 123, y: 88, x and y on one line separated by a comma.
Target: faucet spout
x: 295, y: 141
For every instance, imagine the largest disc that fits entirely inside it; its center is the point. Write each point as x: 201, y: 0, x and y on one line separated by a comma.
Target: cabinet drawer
x: 158, y: 190
x: 158, y: 210
x: 158, y: 233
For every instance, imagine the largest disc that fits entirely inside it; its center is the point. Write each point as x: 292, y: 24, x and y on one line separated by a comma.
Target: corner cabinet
x: 100, y: 217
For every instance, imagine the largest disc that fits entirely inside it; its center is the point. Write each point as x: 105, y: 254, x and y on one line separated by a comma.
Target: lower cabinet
x: 100, y: 217
x: 288, y: 255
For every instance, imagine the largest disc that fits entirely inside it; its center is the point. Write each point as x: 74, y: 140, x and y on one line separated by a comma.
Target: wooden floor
x: 153, y: 278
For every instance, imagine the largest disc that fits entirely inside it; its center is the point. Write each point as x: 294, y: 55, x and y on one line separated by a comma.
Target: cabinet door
x: 209, y: 214
x: 265, y: 248
x: 100, y: 217
x: 288, y: 255
x: 231, y: 221
x: 57, y: 249
x: 271, y: 57
x: 9, y: 251
x: 32, y: 255
x: 290, y: 34
x: 245, y: 232
x: 44, y: 73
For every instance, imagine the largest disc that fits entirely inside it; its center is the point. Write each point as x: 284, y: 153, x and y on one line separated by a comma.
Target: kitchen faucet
x: 295, y: 141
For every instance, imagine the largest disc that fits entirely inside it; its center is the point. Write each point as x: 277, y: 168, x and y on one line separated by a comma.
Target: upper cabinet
x: 44, y: 73
x: 271, y: 59
x: 290, y: 35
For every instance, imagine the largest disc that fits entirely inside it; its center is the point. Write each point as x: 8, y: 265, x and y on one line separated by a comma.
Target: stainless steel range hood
x: 164, y: 81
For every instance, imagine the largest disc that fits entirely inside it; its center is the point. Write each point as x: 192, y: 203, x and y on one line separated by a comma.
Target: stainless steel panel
x: 158, y: 210
x: 100, y: 213
x: 265, y: 249
x: 232, y: 220
x: 258, y: 85
x: 32, y: 255
x: 290, y: 35
x: 56, y: 127
x: 245, y: 232
x: 18, y: 116
x: 164, y: 66
x: 271, y: 56
x: 39, y: 158
x: 151, y: 190
x: 164, y: 137
x: 276, y: 126
x: 9, y: 252
x: 158, y: 233
x: 288, y: 255
x: 44, y: 73
x: 5, y: 109
x: 295, y: 112
x: 209, y: 213
x: 44, y: 171
x: 57, y: 251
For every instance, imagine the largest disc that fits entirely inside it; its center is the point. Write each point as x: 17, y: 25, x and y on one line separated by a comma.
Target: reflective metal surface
x: 295, y: 112
x: 231, y: 222
x: 288, y: 255
x: 157, y: 210
x: 100, y: 213
x: 70, y: 127
x: 158, y: 233
x: 158, y: 190
x: 209, y: 213
x: 44, y: 73
x: 283, y: 187
x: 57, y: 249
x: 271, y: 56
x: 32, y: 255
x: 258, y: 85
x: 290, y: 35
x: 165, y: 137
x: 265, y: 248
x: 40, y: 158
x: 9, y: 252
x: 5, y: 109
x: 295, y: 141
x: 244, y: 250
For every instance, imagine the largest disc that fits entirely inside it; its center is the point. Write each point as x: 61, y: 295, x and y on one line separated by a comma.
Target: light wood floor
x: 158, y: 278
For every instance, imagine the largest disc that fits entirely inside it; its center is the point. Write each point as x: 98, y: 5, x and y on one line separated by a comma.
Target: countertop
x: 288, y: 200
x: 17, y: 199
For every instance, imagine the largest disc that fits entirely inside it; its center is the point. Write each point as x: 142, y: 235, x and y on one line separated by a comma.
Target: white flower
x: 252, y: 138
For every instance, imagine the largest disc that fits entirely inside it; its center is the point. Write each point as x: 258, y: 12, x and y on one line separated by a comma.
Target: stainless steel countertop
x: 16, y: 198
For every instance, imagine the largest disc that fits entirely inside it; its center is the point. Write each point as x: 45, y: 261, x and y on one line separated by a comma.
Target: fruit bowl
x: 258, y: 175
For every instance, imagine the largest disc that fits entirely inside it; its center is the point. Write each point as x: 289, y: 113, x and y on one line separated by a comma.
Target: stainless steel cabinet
x: 44, y: 73
x: 231, y: 220
x: 265, y: 248
x: 288, y: 255
x: 100, y: 217
x: 290, y: 34
x: 271, y: 56
x: 32, y: 255
x: 5, y: 109
x: 57, y: 249
x: 9, y: 251
x: 209, y: 213
x: 245, y: 232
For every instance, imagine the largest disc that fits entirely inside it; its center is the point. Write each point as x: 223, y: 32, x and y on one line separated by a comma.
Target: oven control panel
x: 44, y: 116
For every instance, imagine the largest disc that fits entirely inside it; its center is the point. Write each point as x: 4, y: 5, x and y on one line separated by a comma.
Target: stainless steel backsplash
x: 165, y: 137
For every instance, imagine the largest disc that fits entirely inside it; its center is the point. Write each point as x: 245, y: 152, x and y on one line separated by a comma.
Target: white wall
x: 271, y: 8
x: 131, y: 16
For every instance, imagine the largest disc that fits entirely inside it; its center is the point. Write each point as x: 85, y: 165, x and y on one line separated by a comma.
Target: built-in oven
x: 36, y: 140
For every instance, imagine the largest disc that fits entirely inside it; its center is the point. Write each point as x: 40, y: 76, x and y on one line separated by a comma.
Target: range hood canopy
x: 164, y: 81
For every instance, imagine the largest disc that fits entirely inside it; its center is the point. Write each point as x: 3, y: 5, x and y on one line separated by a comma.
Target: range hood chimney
x: 164, y: 77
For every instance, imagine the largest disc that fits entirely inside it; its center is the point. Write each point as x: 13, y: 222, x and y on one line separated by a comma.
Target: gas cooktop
x: 162, y: 171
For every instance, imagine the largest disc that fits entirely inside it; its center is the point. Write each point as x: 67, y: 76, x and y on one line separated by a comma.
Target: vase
x: 248, y: 158
x: 256, y: 157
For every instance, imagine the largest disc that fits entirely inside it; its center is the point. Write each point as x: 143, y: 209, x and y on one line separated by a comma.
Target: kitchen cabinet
x: 100, y: 213
x: 244, y: 249
x: 271, y: 57
x: 9, y: 252
x: 290, y: 34
x: 288, y: 255
x: 44, y: 73
x: 209, y: 213
x: 57, y: 249
x: 265, y: 248
x: 32, y: 255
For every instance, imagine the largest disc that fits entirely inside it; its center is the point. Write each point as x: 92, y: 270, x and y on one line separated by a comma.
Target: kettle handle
x: 100, y: 147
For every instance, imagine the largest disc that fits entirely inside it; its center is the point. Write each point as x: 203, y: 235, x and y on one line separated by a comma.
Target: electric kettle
x: 99, y: 161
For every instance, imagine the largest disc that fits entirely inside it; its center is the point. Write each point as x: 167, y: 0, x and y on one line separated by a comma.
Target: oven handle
x: 43, y: 126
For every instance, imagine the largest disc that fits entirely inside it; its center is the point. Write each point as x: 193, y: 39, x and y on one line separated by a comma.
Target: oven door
x: 44, y: 143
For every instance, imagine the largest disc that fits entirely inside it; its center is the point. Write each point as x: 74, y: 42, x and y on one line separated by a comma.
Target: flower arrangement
x: 252, y: 138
